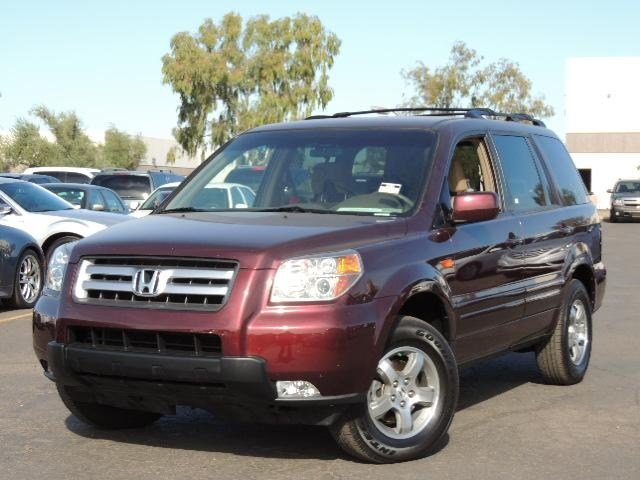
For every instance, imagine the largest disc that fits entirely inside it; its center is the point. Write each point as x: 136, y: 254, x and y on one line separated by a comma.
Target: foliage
x: 75, y: 147
x: 464, y: 82
x: 231, y: 77
x: 121, y: 150
x: 24, y: 147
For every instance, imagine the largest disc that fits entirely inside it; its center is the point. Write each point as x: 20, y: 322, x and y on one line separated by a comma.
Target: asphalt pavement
x: 508, y: 425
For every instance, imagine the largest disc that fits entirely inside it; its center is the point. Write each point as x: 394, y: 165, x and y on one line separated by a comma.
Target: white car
x: 51, y: 220
x: 155, y: 198
x: 66, y: 174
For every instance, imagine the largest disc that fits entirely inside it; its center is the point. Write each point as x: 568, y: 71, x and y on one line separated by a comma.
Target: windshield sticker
x: 393, y: 188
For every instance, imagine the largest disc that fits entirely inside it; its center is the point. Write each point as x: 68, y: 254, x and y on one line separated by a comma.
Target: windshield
x: 156, y: 198
x: 33, y: 198
x: 628, y: 187
x: 135, y: 187
x: 341, y: 171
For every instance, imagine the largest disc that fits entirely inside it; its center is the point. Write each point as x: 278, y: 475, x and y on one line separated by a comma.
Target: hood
x: 102, y: 218
x: 256, y: 239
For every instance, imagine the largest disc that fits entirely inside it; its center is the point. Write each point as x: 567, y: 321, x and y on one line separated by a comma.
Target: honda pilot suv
x: 379, y: 256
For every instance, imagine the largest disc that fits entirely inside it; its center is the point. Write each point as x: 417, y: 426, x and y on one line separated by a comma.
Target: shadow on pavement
x: 198, y: 430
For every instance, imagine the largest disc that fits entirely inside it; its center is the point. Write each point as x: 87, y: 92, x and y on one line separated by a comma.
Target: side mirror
x: 98, y: 207
x: 475, y: 206
x: 609, y: 190
x: 5, y: 209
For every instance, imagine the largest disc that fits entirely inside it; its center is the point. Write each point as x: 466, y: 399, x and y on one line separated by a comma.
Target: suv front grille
x: 144, y: 341
x: 152, y: 282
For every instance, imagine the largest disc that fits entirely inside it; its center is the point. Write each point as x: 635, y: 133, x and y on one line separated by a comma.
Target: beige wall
x: 622, y: 142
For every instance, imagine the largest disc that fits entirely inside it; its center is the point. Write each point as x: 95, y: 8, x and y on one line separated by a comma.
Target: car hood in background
x: 103, y: 218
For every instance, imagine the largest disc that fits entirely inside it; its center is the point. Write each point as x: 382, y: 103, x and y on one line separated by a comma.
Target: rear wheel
x: 105, y: 417
x: 411, y: 401
x: 564, y: 357
x: 28, y: 280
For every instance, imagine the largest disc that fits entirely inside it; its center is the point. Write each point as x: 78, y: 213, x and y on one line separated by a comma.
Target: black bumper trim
x: 174, y: 377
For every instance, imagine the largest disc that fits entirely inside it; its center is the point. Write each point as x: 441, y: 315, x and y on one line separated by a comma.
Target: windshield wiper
x: 294, y: 209
x: 182, y: 210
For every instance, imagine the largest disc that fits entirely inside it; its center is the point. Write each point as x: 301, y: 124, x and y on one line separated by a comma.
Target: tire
x: 404, y: 421
x: 28, y: 280
x: 612, y: 217
x: 564, y: 357
x: 57, y: 242
x: 106, y: 417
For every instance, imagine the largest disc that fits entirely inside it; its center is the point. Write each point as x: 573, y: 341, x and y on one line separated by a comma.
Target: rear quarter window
x: 563, y: 170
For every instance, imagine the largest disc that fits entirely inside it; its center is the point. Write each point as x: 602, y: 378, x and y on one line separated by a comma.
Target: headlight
x: 57, y: 267
x: 322, y: 277
x: 618, y: 201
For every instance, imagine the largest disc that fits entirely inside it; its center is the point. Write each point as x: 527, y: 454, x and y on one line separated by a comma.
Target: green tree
x: 75, y: 147
x: 233, y: 76
x: 122, y: 150
x: 25, y: 147
x: 465, y: 82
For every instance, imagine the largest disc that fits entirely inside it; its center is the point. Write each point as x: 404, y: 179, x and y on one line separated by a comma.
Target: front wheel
x: 411, y: 401
x: 27, y: 281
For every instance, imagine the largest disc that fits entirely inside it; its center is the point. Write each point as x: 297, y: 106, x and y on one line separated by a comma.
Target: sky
x: 103, y: 59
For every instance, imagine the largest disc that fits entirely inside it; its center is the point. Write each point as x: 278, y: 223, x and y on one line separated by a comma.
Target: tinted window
x: 236, y: 196
x: 33, y: 198
x: 114, y: 204
x: 564, y: 171
x: 71, y: 195
x: 525, y: 189
x: 73, y: 177
x: 134, y: 187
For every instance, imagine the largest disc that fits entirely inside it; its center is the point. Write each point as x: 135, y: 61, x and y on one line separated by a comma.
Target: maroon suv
x: 379, y: 255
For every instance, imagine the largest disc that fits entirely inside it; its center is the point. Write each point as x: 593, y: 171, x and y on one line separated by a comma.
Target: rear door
x: 540, y: 260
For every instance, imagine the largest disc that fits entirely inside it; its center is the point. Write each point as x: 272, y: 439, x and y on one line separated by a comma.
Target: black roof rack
x: 438, y: 111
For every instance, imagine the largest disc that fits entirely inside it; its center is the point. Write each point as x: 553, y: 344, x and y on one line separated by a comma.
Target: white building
x: 603, y: 124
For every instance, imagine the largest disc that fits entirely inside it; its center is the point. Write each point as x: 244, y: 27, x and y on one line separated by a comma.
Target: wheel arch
x: 47, y: 243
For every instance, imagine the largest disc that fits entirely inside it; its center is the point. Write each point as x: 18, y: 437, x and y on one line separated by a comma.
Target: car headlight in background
x: 618, y: 202
x: 321, y: 277
x: 57, y: 267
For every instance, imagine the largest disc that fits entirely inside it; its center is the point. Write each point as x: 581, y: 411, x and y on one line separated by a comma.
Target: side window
x: 73, y: 177
x: 96, y: 202
x: 236, y: 197
x: 526, y: 186
x: 113, y: 204
x: 470, y: 169
x: 569, y: 181
x: 248, y: 195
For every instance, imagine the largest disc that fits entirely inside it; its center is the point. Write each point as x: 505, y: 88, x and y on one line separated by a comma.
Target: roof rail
x: 476, y: 112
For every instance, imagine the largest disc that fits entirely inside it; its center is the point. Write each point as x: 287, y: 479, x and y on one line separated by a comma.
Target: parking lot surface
x: 508, y: 425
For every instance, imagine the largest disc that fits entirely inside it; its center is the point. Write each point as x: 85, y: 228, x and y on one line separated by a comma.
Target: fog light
x: 296, y: 389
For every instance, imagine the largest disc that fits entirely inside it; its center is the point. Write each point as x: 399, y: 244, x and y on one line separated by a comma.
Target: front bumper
x: 236, y: 387
x: 626, y: 211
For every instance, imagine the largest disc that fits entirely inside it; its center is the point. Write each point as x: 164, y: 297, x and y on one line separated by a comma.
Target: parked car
x: 89, y: 197
x: 21, y: 268
x: 247, y: 175
x: 335, y: 300
x: 155, y: 199
x: 132, y: 186
x: 51, y: 220
x: 66, y: 174
x: 625, y: 200
x: 33, y: 178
